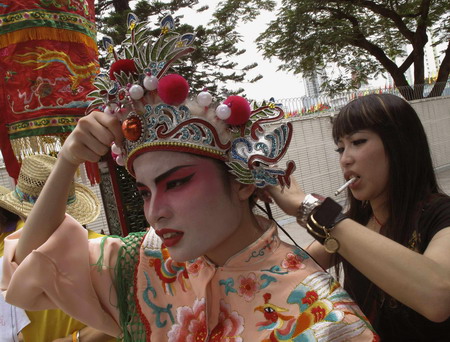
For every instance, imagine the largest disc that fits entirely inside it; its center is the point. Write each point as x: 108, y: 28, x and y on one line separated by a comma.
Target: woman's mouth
x: 170, y: 237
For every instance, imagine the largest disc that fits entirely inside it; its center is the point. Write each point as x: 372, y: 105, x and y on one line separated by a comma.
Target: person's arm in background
x: 87, y: 334
x: 420, y: 281
x: 289, y: 200
x: 90, y: 140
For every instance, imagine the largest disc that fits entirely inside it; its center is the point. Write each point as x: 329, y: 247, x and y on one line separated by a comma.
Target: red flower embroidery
x: 230, y: 325
x: 248, y: 286
x: 310, y: 297
x: 319, y: 313
x: 195, y: 267
x: 191, y: 326
x: 292, y: 262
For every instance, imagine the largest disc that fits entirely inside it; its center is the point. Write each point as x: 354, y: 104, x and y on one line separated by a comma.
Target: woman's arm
x: 289, y: 200
x: 90, y: 140
x: 420, y: 281
x: 87, y: 334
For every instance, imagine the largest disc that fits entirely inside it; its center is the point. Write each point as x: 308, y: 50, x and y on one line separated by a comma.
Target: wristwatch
x: 322, y: 220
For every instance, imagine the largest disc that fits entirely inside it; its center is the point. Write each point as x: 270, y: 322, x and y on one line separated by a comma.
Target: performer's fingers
x: 112, y: 124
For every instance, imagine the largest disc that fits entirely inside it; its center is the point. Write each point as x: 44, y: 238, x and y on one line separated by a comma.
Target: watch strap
x: 322, y: 220
x: 327, y: 212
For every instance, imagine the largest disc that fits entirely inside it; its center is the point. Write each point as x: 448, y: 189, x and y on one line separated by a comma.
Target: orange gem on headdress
x: 132, y: 128
x: 122, y: 95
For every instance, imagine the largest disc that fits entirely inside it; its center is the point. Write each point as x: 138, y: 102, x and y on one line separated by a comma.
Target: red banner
x: 48, y: 59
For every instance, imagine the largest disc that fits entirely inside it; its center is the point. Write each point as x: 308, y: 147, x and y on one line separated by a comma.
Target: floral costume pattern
x: 269, y: 291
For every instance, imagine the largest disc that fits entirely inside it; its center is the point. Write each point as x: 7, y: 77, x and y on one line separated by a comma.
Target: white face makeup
x: 362, y: 155
x: 186, y: 201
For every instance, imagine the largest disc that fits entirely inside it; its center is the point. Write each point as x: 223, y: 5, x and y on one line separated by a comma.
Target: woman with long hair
x: 394, y: 246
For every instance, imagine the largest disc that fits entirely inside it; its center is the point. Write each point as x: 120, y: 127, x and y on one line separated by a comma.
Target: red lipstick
x: 170, y: 237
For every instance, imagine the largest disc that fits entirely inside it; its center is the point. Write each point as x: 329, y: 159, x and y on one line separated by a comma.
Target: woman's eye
x: 340, y: 150
x: 359, y: 142
x: 145, y: 194
x: 178, y: 182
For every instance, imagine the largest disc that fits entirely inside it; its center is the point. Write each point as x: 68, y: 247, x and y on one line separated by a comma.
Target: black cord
x: 268, y: 212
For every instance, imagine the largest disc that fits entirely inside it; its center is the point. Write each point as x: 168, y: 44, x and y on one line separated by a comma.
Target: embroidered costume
x: 42, y: 325
x: 270, y: 291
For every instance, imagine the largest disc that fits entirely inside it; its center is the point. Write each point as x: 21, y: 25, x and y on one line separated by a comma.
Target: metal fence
x: 307, y: 105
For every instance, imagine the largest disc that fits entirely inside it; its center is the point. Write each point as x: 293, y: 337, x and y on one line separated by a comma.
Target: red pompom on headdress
x: 173, y: 89
x: 240, y: 110
x: 125, y: 65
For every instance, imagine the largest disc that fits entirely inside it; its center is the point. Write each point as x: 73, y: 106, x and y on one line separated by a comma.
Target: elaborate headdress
x: 156, y: 113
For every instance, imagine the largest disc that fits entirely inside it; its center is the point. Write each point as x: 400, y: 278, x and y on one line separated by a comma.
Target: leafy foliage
x: 362, y: 37
x: 211, y: 64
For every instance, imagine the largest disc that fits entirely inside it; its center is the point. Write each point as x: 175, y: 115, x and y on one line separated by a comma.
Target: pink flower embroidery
x: 191, y: 326
x: 230, y: 325
x: 292, y: 262
x: 248, y: 286
x: 195, y: 267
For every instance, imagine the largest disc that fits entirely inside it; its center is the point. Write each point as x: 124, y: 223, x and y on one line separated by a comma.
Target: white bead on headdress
x: 156, y: 113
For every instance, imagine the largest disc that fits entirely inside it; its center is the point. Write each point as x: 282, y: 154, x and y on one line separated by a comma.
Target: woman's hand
x: 288, y: 199
x: 91, y: 138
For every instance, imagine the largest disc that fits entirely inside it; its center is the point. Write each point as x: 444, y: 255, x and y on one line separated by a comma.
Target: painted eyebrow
x: 165, y: 175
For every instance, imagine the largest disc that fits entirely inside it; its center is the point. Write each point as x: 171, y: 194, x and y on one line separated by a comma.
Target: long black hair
x: 411, y: 182
x: 411, y: 175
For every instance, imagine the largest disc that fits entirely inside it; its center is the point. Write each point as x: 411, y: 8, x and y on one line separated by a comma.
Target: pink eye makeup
x: 175, y: 181
x: 143, y: 191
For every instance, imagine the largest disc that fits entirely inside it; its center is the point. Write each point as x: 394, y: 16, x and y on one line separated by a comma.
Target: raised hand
x: 288, y: 199
x: 91, y: 138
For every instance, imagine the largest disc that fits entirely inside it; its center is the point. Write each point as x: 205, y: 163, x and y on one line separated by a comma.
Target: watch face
x: 327, y: 212
x: 331, y: 245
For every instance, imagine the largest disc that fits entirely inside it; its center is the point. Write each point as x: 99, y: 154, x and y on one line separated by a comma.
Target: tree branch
x: 384, y: 12
x: 443, y: 73
x: 407, y: 63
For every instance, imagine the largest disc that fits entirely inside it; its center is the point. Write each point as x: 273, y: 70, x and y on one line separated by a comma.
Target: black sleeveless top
x: 392, y: 320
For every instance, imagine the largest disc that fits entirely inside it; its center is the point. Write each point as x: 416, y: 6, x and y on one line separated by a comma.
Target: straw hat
x: 82, y: 204
x: 3, y: 190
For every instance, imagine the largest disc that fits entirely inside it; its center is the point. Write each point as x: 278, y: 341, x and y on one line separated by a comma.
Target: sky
x: 276, y: 84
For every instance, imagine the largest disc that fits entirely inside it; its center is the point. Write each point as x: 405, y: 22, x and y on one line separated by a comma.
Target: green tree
x: 211, y: 65
x: 364, y: 37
